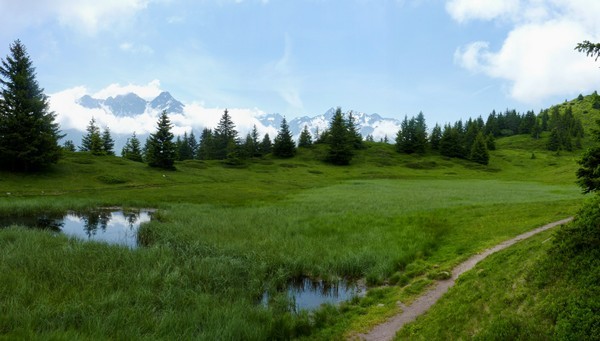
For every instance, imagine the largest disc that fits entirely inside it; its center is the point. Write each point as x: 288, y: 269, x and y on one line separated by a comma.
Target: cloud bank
x: 537, y: 56
x: 71, y: 115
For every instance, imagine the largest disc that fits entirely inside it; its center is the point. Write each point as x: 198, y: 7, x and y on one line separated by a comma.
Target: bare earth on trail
x: 388, y: 329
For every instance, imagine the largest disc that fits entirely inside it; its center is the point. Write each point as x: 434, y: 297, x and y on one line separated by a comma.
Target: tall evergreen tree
x: 354, y: 133
x: 69, y: 146
x: 255, y: 142
x: 305, y: 139
x: 266, y: 146
x: 160, y: 147
x: 132, y: 150
x: 92, y: 141
x: 284, y: 146
x: 340, y: 145
x: 206, y: 148
x: 28, y: 132
x: 184, y: 151
x: 479, y: 151
x: 193, y: 144
x: 108, y: 143
x: 436, y: 136
x: 225, y: 137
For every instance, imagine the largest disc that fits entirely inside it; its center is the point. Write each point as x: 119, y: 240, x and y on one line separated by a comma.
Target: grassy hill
x: 225, y: 235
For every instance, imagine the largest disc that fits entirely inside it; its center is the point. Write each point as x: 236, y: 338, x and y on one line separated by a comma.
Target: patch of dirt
x: 388, y: 329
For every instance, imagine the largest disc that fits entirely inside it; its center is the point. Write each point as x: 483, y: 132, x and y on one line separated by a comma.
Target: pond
x: 112, y: 226
x: 310, y: 294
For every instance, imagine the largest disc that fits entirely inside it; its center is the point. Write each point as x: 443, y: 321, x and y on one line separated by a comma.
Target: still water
x: 309, y: 294
x: 109, y: 226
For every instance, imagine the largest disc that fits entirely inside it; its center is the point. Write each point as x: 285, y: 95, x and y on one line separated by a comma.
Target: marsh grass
x: 222, y: 236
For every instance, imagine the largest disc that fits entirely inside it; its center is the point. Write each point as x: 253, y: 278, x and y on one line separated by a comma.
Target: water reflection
x: 309, y: 294
x: 110, y: 226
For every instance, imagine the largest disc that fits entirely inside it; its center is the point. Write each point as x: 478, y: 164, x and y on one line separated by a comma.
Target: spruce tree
x: 206, y: 147
x: 479, y: 151
x: 160, y: 147
x: 92, y: 141
x: 340, y: 144
x: 184, y: 151
x: 193, y: 144
x: 354, y: 133
x: 436, y: 136
x: 265, y: 146
x: 305, y: 139
x: 132, y: 150
x: 284, y: 146
x: 69, y: 146
x: 554, y: 140
x: 28, y: 132
x: 225, y: 137
x: 255, y: 142
x: 107, y: 142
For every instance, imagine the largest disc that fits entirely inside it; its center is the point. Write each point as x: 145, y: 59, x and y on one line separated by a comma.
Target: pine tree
x: 193, y: 144
x: 184, y: 151
x: 265, y: 146
x: 479, y: 151
x: 284, y: 146
x: 436, y: 136
x: 28, y: 132
x: 490, y: 141
x: 420, y: 134
x: 554, y: 140
x: 132, y: 150
x: 340, y: 145
x: 305, y: 139
x: 92, y: 142
x: 225, y: 137
x: 206, y: 148
x: 69, y: 146
x: 160, y: 146
x: 255, y: 142
x: 107, y: 142
x: 355, y: 136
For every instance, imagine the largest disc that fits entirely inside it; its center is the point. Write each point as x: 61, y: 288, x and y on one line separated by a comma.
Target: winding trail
x: 388, y: 329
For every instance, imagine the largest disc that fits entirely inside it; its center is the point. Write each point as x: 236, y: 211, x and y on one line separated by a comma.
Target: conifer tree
x: 160, y: 147
x: 255, y: 142
x: 554, y: 140
x: 265, y: 145
x: 305, y: 139
x: 355, y: 136
x: 28, y: 132
x: 284, y: 146
x: 340, y: 145
x: 92, y: 141
x: 206, y: 146
x: 132, y: 150
x: 69, y: 146
x: 107, y: 142
x: 479, y: 151
x: 225, y: 137
x: 436, y: 136
x: 184, y: 151
x: 193, y: 144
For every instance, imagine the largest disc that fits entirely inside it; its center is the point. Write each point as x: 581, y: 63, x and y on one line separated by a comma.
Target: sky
x: 449, y: 59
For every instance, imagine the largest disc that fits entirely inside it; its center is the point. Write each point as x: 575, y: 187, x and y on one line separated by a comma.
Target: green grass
x: 225, y: 235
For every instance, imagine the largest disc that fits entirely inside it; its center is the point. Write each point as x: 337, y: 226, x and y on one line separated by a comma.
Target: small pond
x: 106, y: 225
x: 310, y: 294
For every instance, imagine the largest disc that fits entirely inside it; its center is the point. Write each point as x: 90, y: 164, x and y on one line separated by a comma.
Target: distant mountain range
x: 131, y: 105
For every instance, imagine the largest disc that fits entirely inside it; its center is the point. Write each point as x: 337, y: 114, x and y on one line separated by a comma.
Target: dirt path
x: 388, y: 329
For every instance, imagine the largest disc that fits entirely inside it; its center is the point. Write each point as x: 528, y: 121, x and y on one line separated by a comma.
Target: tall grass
x: 223, y: 236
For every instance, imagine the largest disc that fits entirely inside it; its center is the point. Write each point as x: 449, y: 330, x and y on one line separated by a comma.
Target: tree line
x: 29, y: 134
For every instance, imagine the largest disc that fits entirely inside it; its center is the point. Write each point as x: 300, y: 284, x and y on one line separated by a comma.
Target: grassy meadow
x: 225, y: 235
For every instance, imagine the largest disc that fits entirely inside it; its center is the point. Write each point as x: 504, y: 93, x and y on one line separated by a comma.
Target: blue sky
x: 450, y: 59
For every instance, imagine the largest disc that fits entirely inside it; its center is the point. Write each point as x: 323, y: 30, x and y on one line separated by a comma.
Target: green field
x: 225, y: 235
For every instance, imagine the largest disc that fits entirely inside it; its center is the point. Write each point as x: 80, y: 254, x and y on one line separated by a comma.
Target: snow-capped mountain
x: 128, y: 112
x: 131, y: 104
x: 368, y: 124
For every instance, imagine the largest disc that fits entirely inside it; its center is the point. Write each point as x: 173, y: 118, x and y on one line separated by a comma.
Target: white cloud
x: 147, y: 92
x: 537, y: 57
x: 464, y: 10
x: 71, y: 115
x: 87, y: 16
